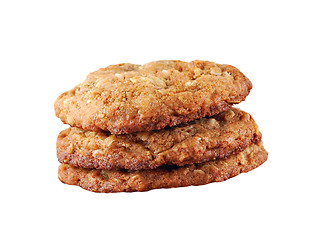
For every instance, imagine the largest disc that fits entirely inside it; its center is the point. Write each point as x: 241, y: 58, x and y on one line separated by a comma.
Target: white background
x: 47, y: 47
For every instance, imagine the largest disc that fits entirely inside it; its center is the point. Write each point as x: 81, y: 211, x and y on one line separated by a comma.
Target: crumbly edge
x: 166, y: 177
x: 161, y: 122
x: 158, y: 121
x: 232, y: 132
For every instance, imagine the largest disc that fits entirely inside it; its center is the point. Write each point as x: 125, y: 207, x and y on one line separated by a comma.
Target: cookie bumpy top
x: 128, y: 98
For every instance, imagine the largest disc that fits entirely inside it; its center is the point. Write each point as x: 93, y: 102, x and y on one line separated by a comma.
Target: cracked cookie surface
x: 128, y: 98
x: 164, y: 177
x: 194, y: 142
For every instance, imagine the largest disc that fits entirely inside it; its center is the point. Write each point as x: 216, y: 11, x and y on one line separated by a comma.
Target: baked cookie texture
x: 127, y: 98
x: 164, y: 177
x: 188, y: 143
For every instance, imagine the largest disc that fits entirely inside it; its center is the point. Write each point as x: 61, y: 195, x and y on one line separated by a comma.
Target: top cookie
x: 128, y: 98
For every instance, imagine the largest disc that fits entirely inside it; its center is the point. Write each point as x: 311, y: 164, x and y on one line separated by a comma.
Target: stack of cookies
x: 160, y: 125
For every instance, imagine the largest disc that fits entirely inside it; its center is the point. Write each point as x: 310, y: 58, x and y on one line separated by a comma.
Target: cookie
x: 164, y: 177
x: 127, y: 98
x: 194, y: 142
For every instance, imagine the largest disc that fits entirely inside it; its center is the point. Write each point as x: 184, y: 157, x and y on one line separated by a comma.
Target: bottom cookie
x: 164, y: 177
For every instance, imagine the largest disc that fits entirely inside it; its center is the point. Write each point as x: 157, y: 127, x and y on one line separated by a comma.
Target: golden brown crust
x: 144, y: 180
x: 128, y: 98
x: 194, y: 142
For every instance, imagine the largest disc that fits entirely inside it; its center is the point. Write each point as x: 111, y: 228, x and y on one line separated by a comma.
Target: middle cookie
x: 195, y: 142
